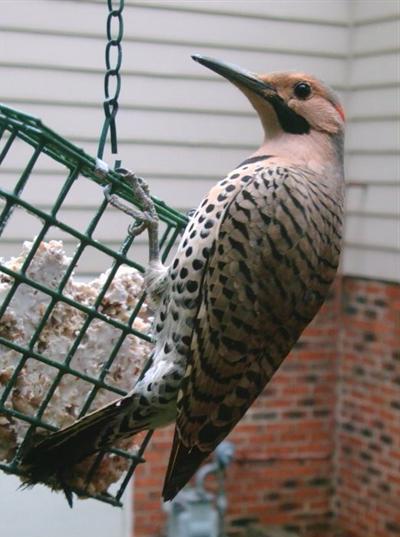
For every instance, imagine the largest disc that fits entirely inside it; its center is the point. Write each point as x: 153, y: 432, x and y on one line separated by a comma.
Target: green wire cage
x: 26, y: 148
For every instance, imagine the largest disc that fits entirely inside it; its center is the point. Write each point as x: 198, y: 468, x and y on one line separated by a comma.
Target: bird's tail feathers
x: 95, y: 431
x: 183, y: 464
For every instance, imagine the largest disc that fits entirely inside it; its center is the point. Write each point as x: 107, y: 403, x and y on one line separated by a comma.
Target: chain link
x: 112, y: 78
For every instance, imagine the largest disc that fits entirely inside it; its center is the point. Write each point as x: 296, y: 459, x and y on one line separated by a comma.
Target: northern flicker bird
x: 253, y: 267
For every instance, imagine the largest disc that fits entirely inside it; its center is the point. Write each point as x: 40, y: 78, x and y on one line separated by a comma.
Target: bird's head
x: 294, y: 103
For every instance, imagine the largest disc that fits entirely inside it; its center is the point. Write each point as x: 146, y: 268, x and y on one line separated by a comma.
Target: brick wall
x: 368, y: 433
x: 291, y: 451
x: 284, y: 463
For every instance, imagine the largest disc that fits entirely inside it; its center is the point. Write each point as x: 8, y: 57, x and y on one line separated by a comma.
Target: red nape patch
x: 341, y: 112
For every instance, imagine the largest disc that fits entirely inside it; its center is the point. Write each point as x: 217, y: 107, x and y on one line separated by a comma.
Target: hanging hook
x: 113, y: 65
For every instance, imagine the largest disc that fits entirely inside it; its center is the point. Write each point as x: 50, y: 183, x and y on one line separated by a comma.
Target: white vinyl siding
x: 181, y: 126
x: 373, y: 142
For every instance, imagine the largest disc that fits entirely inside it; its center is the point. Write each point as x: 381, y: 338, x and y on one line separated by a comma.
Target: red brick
x: 288, y: 463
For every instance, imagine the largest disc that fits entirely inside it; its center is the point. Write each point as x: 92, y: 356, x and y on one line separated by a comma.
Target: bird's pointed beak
x: 237, y: 75
x: 252, y: 85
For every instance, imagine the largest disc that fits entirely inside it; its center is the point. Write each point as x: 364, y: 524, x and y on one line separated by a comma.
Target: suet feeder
x: 27, y: 144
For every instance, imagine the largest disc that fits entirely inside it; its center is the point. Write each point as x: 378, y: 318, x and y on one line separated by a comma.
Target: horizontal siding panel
x: 158, y: 125
x: 376, y: 37
x: 88, y: 17
x: 374, y: 199
x: 150, y: 158
x: 370, y: 263
x: 373, y: 168
x: 52, y: 86
x: 237, y: 32
x: 111, y: 229
x: 86, y: 196
x: 335, y: 11
x: 43, y: 189
x: 367, y: 232
x: 380, y: 69
x: 376, y: 135
x: 19, y: 155
x: 137, y: 91
x: 177, y: 26
x: 76, y: 89
x: 161, y: 58
x: 65, y: 51
x: 373, y: 103
x: 330, y: 12
x: 367, y: 10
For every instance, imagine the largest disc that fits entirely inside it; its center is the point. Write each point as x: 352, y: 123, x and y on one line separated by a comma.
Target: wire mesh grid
x: 37, y: 150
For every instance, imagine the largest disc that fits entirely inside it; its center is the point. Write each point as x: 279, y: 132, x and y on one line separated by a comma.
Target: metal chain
x: 112, y: 78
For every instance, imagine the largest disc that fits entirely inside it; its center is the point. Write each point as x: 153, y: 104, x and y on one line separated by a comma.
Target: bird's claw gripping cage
x: 28, y: 150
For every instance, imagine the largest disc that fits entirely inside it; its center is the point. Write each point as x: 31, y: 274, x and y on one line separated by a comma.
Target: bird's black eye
x: 302, y: 90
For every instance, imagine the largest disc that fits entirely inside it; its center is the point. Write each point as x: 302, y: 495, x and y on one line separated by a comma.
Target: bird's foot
x: 146, y: 218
